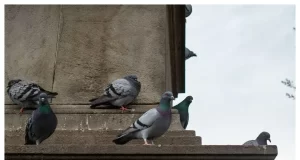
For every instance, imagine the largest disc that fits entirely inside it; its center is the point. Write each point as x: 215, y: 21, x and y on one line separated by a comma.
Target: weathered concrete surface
x: 99, y: 44
x: 94, y: 45
x: 30, y: 43
x: 77, y: 133
x: 219, y: 152
x: 85, y: 118
x: 100, y: 138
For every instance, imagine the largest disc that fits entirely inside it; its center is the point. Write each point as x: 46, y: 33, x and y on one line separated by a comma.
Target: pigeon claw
x: 123, y: 109
x: 147, y: 144
x: 21, y: 110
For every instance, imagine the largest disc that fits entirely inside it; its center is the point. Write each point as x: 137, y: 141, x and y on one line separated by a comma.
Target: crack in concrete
x: 57, y: 43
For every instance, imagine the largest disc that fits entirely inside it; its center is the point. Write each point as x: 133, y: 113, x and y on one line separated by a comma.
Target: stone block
x: 30, y: 43
x: 81, y: 117
x: 137, y: 151
x: 102, y: 137
x: 99, y: 44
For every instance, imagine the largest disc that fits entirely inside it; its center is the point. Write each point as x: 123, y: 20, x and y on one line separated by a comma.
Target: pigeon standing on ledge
x: 152, y: 124
x: 183, y: 110
x: 26, y: 94
x: 119, y: 93
x: 41, y: 124
x: 260, y: 140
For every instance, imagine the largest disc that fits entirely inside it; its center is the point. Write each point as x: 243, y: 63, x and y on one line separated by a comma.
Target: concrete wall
x: 77, y: 50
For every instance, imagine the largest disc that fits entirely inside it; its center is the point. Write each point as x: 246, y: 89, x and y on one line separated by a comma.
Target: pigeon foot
x: 21, y: 110
x: 123, y: 109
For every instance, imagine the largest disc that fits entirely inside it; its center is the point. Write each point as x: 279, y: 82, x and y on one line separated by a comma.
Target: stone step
x: 98, y: 140
x: 176, y: 133
x: 139, y: 151
x: 80, y: 117
x: 103, y: 137
x: 83, y: 108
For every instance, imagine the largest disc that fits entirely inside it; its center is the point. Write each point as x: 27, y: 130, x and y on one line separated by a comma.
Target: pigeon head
x: 188, y: 54
x: 165, y: 100
x: 264, y: 136
x: 188, y: 10
x: 184, y: 105
x: 192, y: 54
x: 43, y: 98
x: 12, y: 82
x: 132, y: 77
x: 168, y: 96
x: 189, y: 98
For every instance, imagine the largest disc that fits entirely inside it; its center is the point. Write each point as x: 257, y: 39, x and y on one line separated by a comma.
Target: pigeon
x: 152, y: 124
x: 189, y: 54
x: 188, y: 10
x: 25, y: 93
x: 183, y: 109
x: 41, y: 124
x: 119, y: 93
x: 260, y: 140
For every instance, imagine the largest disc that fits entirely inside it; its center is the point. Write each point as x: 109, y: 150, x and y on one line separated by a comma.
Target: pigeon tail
x: 51, y: 94
x: 126, y: 135
x: 98, y: 101
x: 91, y: 100
x: 123, y: 139
x: 27, y: 139
x: 29, y: 142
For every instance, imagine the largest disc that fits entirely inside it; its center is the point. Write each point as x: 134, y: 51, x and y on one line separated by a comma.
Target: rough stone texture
x: 98, y: 44
x: 76, y: 133
x: 86, y: 47
x: 219, y: 152
x: 78, y: 118
x: 100, y: 140
x: 103, y: 137
x: 30, y: 43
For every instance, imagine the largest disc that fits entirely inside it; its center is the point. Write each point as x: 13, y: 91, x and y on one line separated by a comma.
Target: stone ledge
x: 85, y: 109
x: 176, y: 133
x: 102, y: 137
x: 205, y: 152
x: 86, y: 121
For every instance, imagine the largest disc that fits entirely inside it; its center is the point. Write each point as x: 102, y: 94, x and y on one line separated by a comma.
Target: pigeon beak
x: 42, y: 99
x: 172, y: 97
x: 269, y: 140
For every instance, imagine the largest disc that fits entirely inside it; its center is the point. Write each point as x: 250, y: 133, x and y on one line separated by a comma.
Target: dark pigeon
x: 188, y: 10
x: 41, y: 124
x: 189, y: 54
x: 183, y: 110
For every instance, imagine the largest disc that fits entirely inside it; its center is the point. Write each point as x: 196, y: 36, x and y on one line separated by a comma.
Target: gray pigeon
x: 260, y: 140
x: 183, y: 110
x: 26, y: 94
x: 188, y: 10
x: 152, y: 124
x: 119, y: 93
x: 41, y: 124
x: 189, y: 54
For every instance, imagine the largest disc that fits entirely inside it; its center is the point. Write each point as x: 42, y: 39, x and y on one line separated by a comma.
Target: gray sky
x: 244, y: 51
